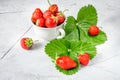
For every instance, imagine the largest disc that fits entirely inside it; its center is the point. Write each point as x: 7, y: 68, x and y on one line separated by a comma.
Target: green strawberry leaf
x: 71, y: 30
x: 59, y: 47
x: 97, y: 40
x: 83, y: 28
x: 87, y: 14
x: 56, y: 48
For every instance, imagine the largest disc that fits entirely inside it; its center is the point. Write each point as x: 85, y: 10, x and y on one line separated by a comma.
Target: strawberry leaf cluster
x: 77, y: 29
x: 77, y: 40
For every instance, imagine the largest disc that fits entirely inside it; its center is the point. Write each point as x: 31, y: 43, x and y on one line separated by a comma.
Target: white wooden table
x: 19, y: 64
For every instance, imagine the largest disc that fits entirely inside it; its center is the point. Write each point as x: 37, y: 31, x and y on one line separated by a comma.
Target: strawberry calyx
x: 55, y: 18
x: 60, y: 13
x: 49, y: 2
x: 29, y: 42
x: 65, y: 10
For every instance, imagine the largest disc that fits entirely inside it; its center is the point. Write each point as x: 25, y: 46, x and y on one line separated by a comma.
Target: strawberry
x: 93, y: 30
x: 36, y: 15
x: 38, y: 10
x: 40, y: 22
x: 65, y: 62
x: 61, y: 17
x: 26, y: 43
x: 47, y: 14
x: 51, y: 22
x: 53, y: 8
x: 84, y: 58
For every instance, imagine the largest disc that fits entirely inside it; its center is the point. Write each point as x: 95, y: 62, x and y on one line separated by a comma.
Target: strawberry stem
x: 35, y: 41
x: 54, y: 60
x: 65, y: 10
x: 49, y: 2
x: 101, y: 27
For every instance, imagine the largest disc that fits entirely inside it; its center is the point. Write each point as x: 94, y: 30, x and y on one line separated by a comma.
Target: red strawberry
x: 65, y: 62
x: 93, y: 30
x: 84, y: 59
x: 40, y: 22
x: 36, y: 15
x: 53, y: 8
x: 38, y: 10
x: 26, y: 43
x: 51, y: 22
x: 61, y: 17
x: 47, y: 14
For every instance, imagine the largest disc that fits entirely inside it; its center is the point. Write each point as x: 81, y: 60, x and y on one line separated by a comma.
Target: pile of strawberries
x: 48, y: 19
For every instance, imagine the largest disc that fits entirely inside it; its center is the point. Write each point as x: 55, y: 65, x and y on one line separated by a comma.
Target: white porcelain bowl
x: 49, y: 33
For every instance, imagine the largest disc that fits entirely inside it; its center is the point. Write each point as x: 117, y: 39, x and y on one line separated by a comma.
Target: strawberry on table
x: 84, y: 59
x: 26, y: 43
x: 65, y: 62
x: 93, y: 30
